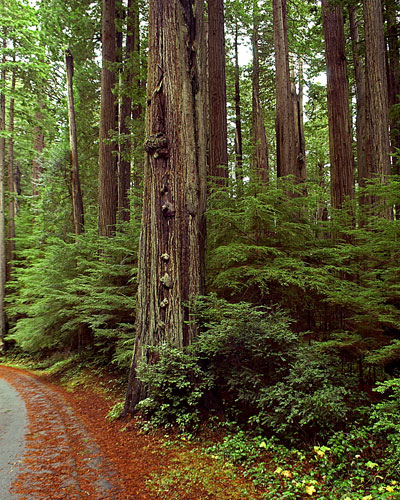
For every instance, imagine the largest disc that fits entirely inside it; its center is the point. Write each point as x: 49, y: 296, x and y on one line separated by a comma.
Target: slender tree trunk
x: 285, y: 133
x: 377, y: 143
x: 3, y: 267
x: 238, y: 121
x: 340, y: 134
x: 297, y: 100
x: 38, y: 146
x: 259, y: 138
x: 11, y: 183
x: 218, y: 156
x: 129, y: 81
x: 359, y: 74
x: 108, y: 151
x: 77, y: 202
x: 171, y: 252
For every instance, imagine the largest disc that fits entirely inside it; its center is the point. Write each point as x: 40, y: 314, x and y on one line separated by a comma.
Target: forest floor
x: 72, y: 451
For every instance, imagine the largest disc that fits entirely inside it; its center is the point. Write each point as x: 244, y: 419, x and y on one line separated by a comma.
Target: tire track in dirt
x: 61, y: 460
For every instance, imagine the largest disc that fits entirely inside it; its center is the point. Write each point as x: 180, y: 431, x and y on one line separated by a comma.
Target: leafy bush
x: 311, y: 400
x: 244, y: 347
x: 267, y: 375
x: 175, y: 387
x: 386, y: 421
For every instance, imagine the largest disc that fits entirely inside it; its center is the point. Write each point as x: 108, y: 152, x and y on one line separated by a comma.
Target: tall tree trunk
x: 107, y: 151
x: 218, y: 156
x: 3, y: 267
x: 38, y: 146
x: 171, y: 252
x: 11, y: 183
x: 129, y: 83
x: 297, y: 101
x: 260, y: 161
x: 285, y: 133
x: 377, y: 143
x: 393, y: 69
x: 359, y: 74
x: 77, y: 202
x: 238, y: 120
x: 340, y: 134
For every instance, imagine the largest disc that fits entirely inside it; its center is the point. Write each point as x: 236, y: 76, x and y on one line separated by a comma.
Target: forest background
x: 294, y: 335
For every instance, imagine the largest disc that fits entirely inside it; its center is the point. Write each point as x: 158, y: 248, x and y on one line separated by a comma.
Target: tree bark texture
x: 377, y: 143
x: 259, y: 138
x: 359, y: 74
x: 129, y: 85
x: 297, y: 101
x: 107, y: 150
x: 393, y: 71
x: 339, y: 121
x: 238, y: 121
x: 77, y: 202
x: 285, y: 133
x: 218, y: 156
x: 171, y: 251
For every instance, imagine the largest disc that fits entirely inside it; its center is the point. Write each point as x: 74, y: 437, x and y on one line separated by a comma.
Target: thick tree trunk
x: 377, y: 143
x: 393, y: 70
x: 3, y: 267
x: 238, y: 121
x: 285, y: 133
x: 129, y: 86
x: 171, y: 252
x: 260, y: 162
x: 77, y: 202
x: 218, y: 156
x: 11, y: 183
x: 340, y: 134
x: 359, y: 73
x: 107, y: 151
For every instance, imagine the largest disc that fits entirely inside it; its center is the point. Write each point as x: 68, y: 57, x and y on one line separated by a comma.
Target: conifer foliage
x: 244, y: 152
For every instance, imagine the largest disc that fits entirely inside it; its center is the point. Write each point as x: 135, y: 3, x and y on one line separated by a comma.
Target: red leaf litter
x: 72, y: 452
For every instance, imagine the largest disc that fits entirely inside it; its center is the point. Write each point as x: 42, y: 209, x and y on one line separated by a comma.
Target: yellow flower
x: 310, y: 490
x: 394, y: 482
x: 390, y: 489
x: 286, y: 473
x: 263, y: 444
x: 278, y: 470
x: 368, y: 497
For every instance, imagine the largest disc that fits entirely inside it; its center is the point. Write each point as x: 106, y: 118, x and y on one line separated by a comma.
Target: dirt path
x: 60, y: 458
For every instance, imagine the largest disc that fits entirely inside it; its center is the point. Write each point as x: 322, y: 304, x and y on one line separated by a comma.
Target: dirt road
x: 46, y: 450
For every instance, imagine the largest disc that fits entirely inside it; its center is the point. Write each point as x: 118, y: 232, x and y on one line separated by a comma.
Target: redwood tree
x: 171, y: 252
x: 77, y: 202
x: 107, y: 150
x: 285, y: 132
x: 218, y: 156
x: 340, y: 135
x: 377, y: 130
x: 259, y: 137
x: 129, y: 83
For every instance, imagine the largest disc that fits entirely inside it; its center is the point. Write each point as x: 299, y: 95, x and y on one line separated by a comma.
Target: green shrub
x: 310, y: 402
x: 175, y: 386
x: 386, y: 421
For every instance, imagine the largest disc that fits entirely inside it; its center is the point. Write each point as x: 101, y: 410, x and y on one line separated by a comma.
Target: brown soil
x: 72, y: 451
